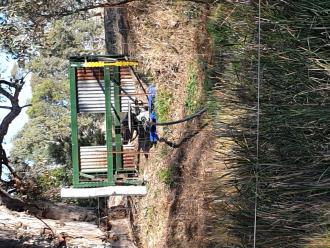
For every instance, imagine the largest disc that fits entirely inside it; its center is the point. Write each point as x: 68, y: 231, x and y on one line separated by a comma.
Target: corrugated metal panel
x: 93, y: 159
x: 90, y: 88
x: 91, y: 96
x: 128, y: 84
x: 129, y: 156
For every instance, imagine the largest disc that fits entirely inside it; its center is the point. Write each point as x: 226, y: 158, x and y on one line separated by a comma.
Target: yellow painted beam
x: 116, y: 63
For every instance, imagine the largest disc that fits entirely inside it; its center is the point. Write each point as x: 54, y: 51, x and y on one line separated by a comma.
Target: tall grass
x: 191, y: 94
x: 294, y: 159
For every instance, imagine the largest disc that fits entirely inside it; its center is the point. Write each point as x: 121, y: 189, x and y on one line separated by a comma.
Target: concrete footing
x: 103, y: 191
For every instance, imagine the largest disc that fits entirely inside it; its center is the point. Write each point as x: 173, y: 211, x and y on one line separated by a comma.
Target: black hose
x: 189, y: 117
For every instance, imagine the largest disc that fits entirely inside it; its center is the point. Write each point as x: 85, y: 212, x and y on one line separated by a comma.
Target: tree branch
x: 23, y: 78
x: 89, y: 7
x: 26, y: 105
x: 12, y: 171
x: 7, y: 120
x: 11, y: 191
x: 18, y: 89
x: 15, y: 110
x: 10, y: 84
x: 5, y: 107
x: 11, y: 202
x: 6, y: 94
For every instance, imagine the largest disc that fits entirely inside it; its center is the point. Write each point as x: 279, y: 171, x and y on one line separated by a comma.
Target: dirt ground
x: 168, y: 39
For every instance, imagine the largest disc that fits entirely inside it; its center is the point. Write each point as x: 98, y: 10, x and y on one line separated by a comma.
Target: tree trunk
x: 11, y: 202
x: 47, y: 210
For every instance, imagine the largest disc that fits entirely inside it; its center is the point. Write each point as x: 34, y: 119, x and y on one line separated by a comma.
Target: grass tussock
x: 191, y: 98
x: 163, y: 104
x: 166, y: 176
x: 293, y: 188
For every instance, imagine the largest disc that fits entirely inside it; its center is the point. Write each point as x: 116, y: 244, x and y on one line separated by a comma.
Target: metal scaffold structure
x: 106, y: 86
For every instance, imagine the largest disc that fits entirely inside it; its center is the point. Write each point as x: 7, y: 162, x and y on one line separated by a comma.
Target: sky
x: 5, y: 67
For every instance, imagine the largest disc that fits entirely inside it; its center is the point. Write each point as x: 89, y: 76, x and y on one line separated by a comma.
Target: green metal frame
x: 108, y: 116
x: 74, y: 128
x: 92, y: 184
x: 112, y: 121
x: 74, y: 125
x: 116, y: 91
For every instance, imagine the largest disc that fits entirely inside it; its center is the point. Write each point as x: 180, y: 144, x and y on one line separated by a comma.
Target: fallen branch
x: 48, y: 227
x: 86, y: 8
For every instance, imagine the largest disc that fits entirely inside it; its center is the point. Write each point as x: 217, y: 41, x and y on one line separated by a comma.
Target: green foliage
x: 222, y: 31
x: 211, y: 102
x: 191, y: 97
x: 163, y: 104
x: 50, y: 98
x: 219, y: 33
x: 150, y: 212
x: 73, y: 37
x: 23, y: 26
x: 49, y: 67
x: 49, y: 124
x: 166, y: 176
x: 50, y: 180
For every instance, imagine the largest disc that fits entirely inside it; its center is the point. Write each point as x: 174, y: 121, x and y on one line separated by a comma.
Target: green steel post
x: 74, y: 125
x: 108, y: 117
x: 116, y: 86
x: 93, y: 184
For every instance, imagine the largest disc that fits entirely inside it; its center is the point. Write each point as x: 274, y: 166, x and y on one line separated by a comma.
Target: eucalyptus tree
x: 40, y: 35
x: 9, y: 93
x: 23, y: 23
